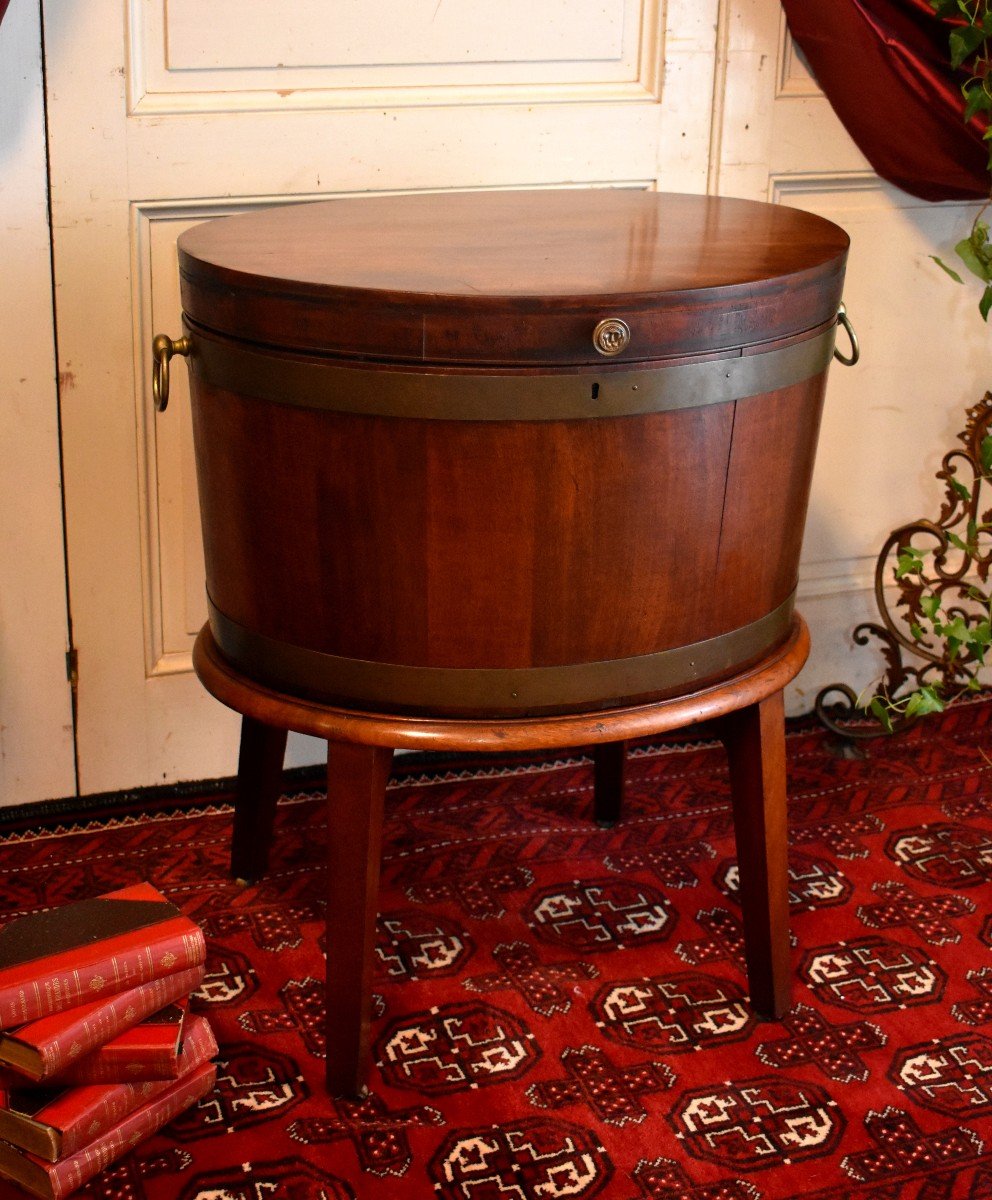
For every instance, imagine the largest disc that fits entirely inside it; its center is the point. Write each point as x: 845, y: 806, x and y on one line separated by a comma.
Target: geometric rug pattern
x: 561, y: 1011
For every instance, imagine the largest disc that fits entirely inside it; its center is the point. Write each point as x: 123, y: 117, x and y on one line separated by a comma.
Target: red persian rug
x: 562, y: 1010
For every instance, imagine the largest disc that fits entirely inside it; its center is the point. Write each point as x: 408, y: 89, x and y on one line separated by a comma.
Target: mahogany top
x: 510, y: 277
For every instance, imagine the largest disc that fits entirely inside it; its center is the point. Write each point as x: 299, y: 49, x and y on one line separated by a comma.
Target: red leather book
x: 52, y: 1181
x: 57, y: 1124
x: 148, y: 1050
x: 68, y: 956
x: 42, y: 1049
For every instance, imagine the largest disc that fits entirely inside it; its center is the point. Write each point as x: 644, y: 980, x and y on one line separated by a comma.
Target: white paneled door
x: 165, y: 114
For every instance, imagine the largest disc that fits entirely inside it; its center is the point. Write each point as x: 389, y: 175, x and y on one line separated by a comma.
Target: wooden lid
x: 511, y: 277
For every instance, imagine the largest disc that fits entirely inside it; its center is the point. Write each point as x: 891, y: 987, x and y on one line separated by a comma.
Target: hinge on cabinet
x: 72, y: 667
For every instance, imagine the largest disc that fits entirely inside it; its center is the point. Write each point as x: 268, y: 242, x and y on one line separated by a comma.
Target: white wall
x: 36, y: 752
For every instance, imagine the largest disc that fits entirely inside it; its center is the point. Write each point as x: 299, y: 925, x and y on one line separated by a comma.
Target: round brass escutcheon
x: 611, y: 336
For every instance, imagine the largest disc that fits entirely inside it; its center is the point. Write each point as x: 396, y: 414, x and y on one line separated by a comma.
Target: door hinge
x: 72, y: 667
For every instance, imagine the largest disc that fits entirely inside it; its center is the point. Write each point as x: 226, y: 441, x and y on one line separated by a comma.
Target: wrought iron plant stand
x: 956, y: 573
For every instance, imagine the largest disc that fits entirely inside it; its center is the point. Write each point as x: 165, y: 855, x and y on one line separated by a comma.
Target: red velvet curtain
x: 3, y: 7
x: 885, y: 68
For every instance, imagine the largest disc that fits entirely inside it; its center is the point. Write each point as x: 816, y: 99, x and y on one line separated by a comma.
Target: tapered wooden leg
x: 610, y: 773
x: 755, y: 741
x: 356, y: 788
x: 263, y: 748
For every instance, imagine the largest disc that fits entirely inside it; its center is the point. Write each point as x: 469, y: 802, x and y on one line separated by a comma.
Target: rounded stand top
x: 757, y: 682
x: 513, y: 276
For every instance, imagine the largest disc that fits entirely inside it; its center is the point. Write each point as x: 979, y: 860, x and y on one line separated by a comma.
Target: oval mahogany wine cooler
x: 504, y: 470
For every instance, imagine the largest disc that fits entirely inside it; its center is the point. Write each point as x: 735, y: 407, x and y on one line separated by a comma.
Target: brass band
x: 300, y: 671
x: 463, y: 395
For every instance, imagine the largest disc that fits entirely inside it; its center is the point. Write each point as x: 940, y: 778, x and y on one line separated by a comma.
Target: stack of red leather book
x: 97, y: 1048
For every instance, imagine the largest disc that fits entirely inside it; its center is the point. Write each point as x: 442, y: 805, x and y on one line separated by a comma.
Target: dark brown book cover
x: 57, y: 1122
x: 80, y: 952
x: 44, y: 1049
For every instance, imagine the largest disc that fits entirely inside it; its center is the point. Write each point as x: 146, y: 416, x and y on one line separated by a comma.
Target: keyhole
x: 595, y: 391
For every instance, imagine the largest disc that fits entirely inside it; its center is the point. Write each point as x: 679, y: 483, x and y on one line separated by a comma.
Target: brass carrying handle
x: 163, y: 348
x: 845, y: 320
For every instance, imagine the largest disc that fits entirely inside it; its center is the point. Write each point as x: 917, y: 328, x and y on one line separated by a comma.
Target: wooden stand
x: 747, y: 715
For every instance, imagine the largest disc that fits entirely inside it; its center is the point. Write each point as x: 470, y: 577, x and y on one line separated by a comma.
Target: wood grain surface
x: 513, y: 277
x: 381, y: 539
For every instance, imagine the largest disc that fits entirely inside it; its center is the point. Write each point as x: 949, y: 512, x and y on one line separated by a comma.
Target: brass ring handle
x: 845, y: 320
x: 163, y: 348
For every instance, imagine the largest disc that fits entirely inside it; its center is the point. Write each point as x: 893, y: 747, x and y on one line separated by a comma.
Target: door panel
x: 314, y: 46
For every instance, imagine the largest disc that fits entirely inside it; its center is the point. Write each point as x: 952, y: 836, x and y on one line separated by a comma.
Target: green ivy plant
x: 970, y: 43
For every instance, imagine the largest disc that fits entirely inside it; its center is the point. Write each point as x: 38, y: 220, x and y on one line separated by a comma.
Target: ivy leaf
x: 930, y: 605
x: 960, y: 488
x: 976, y: 262
x: 985, y: 303
x: 964, y: 42
x: 958, y: 629
x: 976, y: 97
x: 880, y: 713
x: 930, y: 702
x: 944, y: 8
x: 956, y: 634
x: 944, y: 267
x: 909, y: 562
x: 955, y: 540
x: 966, y: 252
